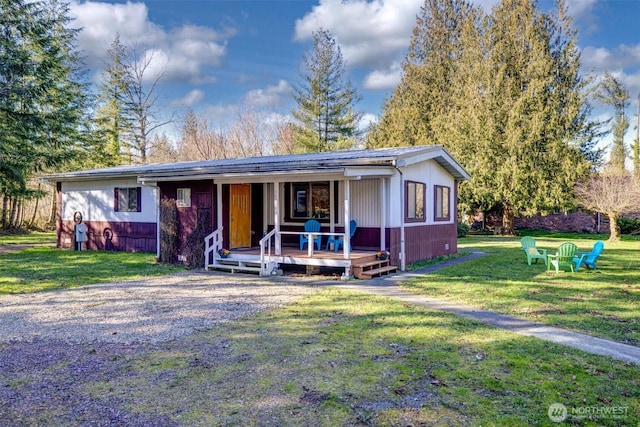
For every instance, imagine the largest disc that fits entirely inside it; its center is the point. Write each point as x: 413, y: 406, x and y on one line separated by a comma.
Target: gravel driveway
x: 55, y: 347
x: 143, y: 311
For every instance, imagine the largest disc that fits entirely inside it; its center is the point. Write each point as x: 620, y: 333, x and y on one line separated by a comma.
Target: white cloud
x: 580, y: 9
x: 384, y: 79
x: 184, y: 53
x: 272, y: 95
x: 366, y: 121
x: 190, y: 99
x: 370, y: 33
x: 600, y: 58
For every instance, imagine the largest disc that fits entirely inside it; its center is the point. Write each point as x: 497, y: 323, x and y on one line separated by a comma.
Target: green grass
x: 344, y: 358
x: 46, y: 268
x: 604, y: 303
x: 30, y: 238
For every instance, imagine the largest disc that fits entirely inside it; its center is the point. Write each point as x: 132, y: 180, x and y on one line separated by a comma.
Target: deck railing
x: 266, y: 266
x: 212, y: 244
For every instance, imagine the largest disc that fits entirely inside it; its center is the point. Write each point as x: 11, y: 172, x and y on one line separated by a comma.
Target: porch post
x: 383, y: 214
x: 276, y: 216
x: 265, y: 211
x: 332, y: 207
x: 218, y: 205
x: 347, y: 218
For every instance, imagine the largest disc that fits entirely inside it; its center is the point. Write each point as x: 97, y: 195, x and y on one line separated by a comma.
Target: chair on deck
x: 339, y: 240
x: 589, y: 258
x: 529, y: 247
x: 311, y: 226
x: 563, y: 258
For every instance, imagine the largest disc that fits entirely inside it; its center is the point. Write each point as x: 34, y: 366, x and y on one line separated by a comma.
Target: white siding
x: 95, y: 201
x: 366, y: 202
x: 430, y: 173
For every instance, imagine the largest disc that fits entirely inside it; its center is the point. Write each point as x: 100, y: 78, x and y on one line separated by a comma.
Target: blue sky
x: 217, y: 56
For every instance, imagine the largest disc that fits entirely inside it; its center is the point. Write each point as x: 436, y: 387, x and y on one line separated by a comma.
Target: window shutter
x: 116, y: 194
x: 139, y: 199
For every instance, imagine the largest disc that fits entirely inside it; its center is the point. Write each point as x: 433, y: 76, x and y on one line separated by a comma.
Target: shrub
x: 629, y: 225
x: 168, y: 231
x: 194, y: 250
x: 463, y: 229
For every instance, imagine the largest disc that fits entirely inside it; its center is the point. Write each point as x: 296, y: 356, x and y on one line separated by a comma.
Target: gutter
x: 403, y: 258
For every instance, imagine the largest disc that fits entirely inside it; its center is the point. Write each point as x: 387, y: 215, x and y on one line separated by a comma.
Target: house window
x: 183, y: 197
x: 442, y: 212
x: 310, y: 200
x: 415, y: 202
x: 127, y: 199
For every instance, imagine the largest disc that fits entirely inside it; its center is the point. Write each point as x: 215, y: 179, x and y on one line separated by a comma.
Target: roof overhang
x: 317, y: 166
x: 441, y: 156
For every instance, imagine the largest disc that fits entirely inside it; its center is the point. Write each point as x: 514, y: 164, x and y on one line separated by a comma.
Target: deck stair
x: 236, y: 264
x: 372, y: 267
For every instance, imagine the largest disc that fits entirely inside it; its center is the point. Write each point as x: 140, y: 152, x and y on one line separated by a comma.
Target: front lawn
x: 27, y: 238
x: 47, y: 268
x: 603, y: 303
x: 344, y: 358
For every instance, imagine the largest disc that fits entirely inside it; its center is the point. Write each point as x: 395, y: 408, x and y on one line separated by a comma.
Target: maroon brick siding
x: 423, y: 242
x: 112, y: 236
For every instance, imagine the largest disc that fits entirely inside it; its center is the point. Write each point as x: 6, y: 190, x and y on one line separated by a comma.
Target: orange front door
x: 240, y: 216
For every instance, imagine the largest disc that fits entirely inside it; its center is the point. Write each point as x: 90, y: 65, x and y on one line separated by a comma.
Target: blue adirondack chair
x: 311, y: 226
x: 589, y: 258
x: 531, y: 251
x: 563, y: 258
x: 338, y: 240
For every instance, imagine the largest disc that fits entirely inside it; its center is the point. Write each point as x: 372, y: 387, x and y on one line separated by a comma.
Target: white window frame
x: 183, y: 197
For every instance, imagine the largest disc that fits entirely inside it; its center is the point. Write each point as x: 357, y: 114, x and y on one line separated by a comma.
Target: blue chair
x: 589, y: 258
x: 311, y: 226
x: 338, y: 241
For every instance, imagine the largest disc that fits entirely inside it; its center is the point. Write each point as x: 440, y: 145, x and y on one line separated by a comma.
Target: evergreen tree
x: 636, y: 146
x: 612, y: 93
x: 113, y: 119
x: 503, y: 93
x: 430, y: 75
x: 326, y: 119
x: 42, y: 96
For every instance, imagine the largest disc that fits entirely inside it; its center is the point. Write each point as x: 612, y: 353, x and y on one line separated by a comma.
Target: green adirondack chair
x: 529, y: 247
x: 563, y: 258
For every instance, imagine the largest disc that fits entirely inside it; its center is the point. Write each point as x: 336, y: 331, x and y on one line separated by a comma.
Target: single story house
x: 404, y: 201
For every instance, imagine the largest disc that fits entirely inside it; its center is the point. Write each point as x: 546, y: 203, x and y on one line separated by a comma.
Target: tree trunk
x: 35, y: 210
x: 507, y: 220
x: 52, y: 213
x: 5, y: 206
x: 12, y: 214
x: 613, y: 227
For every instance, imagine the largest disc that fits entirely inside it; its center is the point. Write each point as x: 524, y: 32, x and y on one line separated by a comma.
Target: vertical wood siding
x: 424, y: 242
x: 113, y: 236
x: 366, y: 202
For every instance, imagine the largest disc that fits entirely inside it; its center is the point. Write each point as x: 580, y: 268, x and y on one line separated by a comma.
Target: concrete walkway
x: 388, y: 286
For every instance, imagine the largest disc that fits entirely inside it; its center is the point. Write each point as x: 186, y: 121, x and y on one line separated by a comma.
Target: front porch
x: 262, y: 260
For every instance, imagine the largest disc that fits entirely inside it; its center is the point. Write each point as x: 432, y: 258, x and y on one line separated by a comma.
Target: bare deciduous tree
x: 612, y: 192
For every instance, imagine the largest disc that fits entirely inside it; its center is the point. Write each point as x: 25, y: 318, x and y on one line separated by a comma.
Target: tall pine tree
x: 325, y: 117
x: 612, y: 93
x: 41, y: 95
x: 113, y: 119
x: 503, y: 93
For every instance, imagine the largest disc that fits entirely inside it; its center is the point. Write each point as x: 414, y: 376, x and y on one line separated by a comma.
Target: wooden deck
x: 357, y: 264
